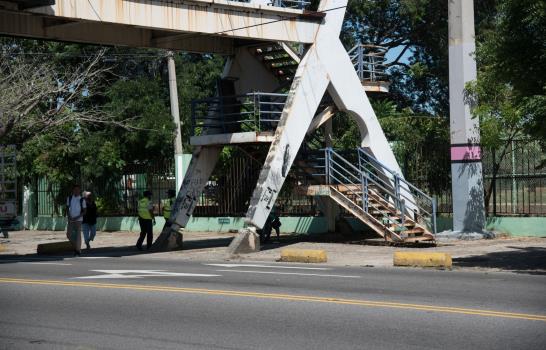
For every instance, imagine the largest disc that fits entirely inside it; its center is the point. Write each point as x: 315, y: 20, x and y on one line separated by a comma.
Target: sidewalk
x: 523, y: 255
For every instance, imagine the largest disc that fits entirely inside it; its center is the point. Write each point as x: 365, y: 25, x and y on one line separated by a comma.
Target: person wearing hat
x: 167, y: 204
x: 146, y: 220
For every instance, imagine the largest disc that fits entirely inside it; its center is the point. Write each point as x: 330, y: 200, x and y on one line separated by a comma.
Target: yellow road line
x: 305, y: 298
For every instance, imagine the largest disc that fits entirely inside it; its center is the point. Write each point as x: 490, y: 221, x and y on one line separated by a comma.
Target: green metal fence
x: 115, y: 196
x: 517, y: 189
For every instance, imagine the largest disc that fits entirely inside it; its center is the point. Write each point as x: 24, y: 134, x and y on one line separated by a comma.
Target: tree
x: 37, y: 98
x: 417, y: 31
x: 509, y: 96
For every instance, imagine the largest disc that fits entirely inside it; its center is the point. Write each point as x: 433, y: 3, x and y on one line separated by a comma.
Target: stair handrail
x: 398, y: 181
x: 362, y: 181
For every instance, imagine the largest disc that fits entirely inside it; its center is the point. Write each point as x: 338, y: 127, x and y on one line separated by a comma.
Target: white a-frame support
x: 325, y: 66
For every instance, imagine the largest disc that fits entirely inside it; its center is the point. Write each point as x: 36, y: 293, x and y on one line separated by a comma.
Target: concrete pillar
x: 330, y: 206
x: 28, y: 208
x: 466, y: 166
x: 175, y: 112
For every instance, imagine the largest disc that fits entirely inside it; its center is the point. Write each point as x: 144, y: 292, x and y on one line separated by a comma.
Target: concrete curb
x: 54, y: 248
x: 422, y: 259
x: 304, y: 255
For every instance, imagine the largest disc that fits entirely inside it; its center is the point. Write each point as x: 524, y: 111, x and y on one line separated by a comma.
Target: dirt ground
x: 522, y: 255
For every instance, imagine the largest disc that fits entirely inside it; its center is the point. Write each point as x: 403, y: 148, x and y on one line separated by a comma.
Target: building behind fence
x: 518, y: 189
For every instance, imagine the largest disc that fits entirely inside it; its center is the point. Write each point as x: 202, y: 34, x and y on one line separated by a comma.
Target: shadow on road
x: 110, y: 252
x: 529, y: 260
x: 207, y: 243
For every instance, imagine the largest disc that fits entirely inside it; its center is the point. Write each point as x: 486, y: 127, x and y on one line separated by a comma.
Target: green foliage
x: 196, y: 79
x: 509, y: 96
x: 145, y: 101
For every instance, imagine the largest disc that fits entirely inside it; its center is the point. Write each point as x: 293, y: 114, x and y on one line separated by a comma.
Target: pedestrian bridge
x: 275, y: 47
x: 208, y: 26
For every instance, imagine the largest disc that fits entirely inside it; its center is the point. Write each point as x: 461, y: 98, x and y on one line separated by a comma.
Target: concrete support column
x: 175, y: 112
x: 330, y: 206
x: 28, y: 208
x: 466, y: 165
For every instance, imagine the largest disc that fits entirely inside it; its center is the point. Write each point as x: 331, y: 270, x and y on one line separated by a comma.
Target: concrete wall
x: 309, y: 225
x: 514, y: 226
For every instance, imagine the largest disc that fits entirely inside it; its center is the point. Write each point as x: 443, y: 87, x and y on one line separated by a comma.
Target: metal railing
x: 8, y: 182
x: 365, y: 176
x: 255, y: 111
x: 405, y: 196
x: 369, y: 62
x: 294, y: 4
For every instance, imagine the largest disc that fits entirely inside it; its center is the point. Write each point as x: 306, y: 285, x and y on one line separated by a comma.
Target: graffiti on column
x: 268, y: 197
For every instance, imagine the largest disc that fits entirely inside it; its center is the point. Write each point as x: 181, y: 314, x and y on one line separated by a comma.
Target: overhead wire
x: 94, y: 10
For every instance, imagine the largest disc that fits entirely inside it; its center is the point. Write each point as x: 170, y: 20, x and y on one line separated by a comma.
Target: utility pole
x: 466, y: 164
x: 173, y: 91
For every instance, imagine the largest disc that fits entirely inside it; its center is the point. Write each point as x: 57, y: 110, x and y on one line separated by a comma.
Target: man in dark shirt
x: 89, y: 225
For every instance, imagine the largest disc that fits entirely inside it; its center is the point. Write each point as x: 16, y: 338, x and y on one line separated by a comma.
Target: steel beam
x: 133, y: 22
x: 16, y: 23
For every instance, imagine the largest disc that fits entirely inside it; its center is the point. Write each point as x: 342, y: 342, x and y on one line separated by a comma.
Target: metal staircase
x: 368, y: 60
x: 280, y: 59
x: 391, y: 206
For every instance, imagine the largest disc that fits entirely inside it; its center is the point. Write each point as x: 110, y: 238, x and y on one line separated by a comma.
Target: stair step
x: 262, y: 52
x: 417, y: 230
x: 279, y: 59
x: 406, y: 226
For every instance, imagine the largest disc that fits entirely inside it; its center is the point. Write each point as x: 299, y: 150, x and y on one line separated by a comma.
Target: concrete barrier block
x: 55, y: 248
x: 304, y: 255
x: 422, y: 259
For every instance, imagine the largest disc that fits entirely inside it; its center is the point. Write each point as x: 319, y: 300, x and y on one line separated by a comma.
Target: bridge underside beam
x: 190, y: 25
x: 40, y: 27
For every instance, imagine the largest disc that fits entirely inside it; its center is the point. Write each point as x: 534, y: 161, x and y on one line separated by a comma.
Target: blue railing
x: 255, y: 111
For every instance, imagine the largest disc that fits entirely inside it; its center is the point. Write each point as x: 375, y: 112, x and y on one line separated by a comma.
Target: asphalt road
x: 147, y: 303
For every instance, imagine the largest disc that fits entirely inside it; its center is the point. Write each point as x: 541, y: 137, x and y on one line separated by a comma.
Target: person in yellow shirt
x: 167, y: 204
x: 146, y: 220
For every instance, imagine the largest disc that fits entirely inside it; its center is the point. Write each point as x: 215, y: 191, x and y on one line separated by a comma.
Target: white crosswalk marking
x: 116, y: 274
x: 46, y: 263
x: 289, y: 273
x: 270, y: 266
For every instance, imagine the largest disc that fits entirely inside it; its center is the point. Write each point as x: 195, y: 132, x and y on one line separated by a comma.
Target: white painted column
x: 330, y: 205
x: 175, y: 112
x: 466, y: 165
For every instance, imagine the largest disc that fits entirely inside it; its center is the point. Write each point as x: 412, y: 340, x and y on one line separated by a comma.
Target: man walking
x: 75, y: 210
x: 89, y: 225
x: 146, y: 220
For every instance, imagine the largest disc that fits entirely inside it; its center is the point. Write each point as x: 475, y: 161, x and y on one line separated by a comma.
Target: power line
x: 93, y: 8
